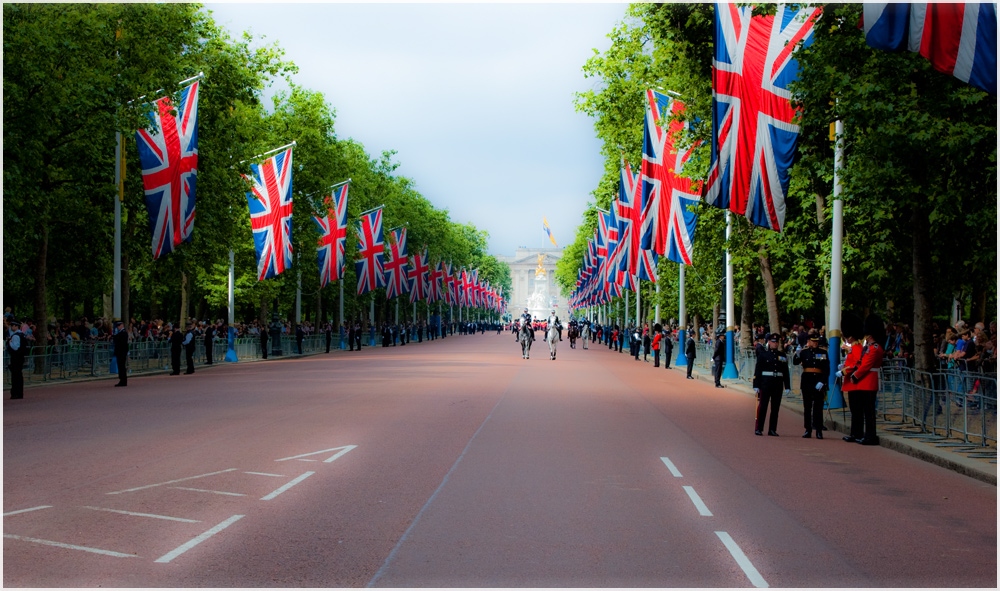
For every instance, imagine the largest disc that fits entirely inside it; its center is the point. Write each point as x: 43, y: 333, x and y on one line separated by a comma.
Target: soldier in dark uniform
x: 357, y: 335
x: 690, y: 351
x: 263, y: 341
x: 176, y: 340
x: 815, y: 374
x: 718, y: 359
x: 328, y: 329
x: 209, y: 343
x: 189, y: 345
x: 667, y: 344
x: 17, y: 347
x: 120, y: 340
x: 300, y: 336
x: 770, y: 376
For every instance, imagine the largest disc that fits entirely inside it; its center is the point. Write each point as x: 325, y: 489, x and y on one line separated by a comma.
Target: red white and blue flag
x: 637, y: 263
x: 169, y: 158
x: 332, y: 237
x: 270, y: 201
x: 418, y: 276
x: 435, y: 275
x: 958, y: 39
x: 753, y: 134
x: 396, y: 283
x: 668, y: 223
x: 448, y: 287
x: 371, y: 249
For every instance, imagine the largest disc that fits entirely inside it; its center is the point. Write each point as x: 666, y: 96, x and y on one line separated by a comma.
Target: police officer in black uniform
x: 120, y: 339
x: 719, y: 358
x: 176, y: 339
x: 770, y: 376
x: 17, y: 346
x: 815, y: 374
x: 189, y: 346
x: 209, y: 342
x: 263, y: 341
x: 690, y: 351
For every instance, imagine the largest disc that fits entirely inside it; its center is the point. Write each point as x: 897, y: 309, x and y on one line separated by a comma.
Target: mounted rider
x: 554, y: 322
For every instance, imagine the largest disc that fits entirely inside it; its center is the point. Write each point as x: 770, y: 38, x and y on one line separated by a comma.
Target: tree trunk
x: 716, y: 312
x: 773, y: 317
x: 129, y: 234
x: 41, y: 311
x: 820, y: 209
x: 200, y: 309
x: 746, y: 314
x: 184, y: 300
x: 923, y: 343
x: 977, y: 308
x: 154, y: 303
x: 262, y: 311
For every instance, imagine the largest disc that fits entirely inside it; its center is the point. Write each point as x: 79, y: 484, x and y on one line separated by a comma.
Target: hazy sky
x: 477, y: 99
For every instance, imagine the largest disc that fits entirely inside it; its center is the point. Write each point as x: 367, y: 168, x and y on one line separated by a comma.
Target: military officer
x: 263, y: 343
x: 815, y: 373
x: 690, y: 351
x: 209, y: 341
x: 861, y: 381
x: 769, y: 377
x: 189, y: 345
x: 176, y: 340
x: 17, y: 346
x: 120, y: 339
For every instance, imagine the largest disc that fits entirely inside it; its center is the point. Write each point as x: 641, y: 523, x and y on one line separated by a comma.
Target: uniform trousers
x: 122, y: 369
x: 17, y: 377
x: 656, y: 358
x: 190, y: 359
x: 690, y: 365
x: 769, y: 395
x: 717, y: 371
x: 862, y: 405
x: 175, y: 360
x: 812, y: 402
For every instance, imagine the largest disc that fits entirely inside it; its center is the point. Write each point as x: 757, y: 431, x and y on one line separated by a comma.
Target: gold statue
x: 540, y: 270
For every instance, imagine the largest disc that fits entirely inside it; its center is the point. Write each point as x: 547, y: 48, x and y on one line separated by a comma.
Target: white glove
x: 819, y: 385
x: 839, y: 373
x: 757, y: 391
x: 841, y: 366
x: 788, y: 391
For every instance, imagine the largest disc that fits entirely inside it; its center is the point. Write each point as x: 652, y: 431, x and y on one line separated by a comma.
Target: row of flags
x: 754, y: 136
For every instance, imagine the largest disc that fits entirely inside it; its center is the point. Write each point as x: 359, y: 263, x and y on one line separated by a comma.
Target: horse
x: 552, y: 338
x: 572, y: 336
x: 525, y: 336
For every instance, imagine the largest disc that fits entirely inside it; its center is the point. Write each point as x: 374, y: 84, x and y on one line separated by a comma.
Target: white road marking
x: 171, y: 481
x: 742, y: 560
x: 307, y: 460
x: 343, y: 450
x: 698, y: 503
x: 671, y: 467
x: 26, y: 510
x: 154, y: 516
x: 265, y: 474
x: 217, y: 492
x: 287, y: 486
x: 195, y: 541
x: 70, y: 546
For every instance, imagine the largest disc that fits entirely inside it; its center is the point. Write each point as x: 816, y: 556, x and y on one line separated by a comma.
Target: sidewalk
x: 953, y: 454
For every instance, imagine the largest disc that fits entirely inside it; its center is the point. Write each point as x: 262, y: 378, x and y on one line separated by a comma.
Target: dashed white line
x: 265, y: 474
x: 26, y: 510
x: 742, y: 560
x: 698, y: 503
x: 195, y: 541
x: 287, y: 486
x: 671, y: 467
x: 215, y: 492
x: 152, y: 515
x: 70, y: 546
x: 171, y: 481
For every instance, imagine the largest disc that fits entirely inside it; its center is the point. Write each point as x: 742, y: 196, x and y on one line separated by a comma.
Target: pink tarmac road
x: 457, y: 463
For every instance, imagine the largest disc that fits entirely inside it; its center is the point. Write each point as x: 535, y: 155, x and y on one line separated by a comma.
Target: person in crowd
x: 815, y: 363
x: 770, y: 376
x: 690, y: 351
x: 719, y: 359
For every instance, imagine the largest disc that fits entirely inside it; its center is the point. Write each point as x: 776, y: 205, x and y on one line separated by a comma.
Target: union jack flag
x: 332, y: 238
x: 667, y: 222
x: 754, y: 138
x: 418, y: 276
x: 395, y: 267
x: 371, y: 248
x: 612, y: 276
x: 435, y: 275
x: 169, y: 159
x: 460, y: 288
x: 449, y: 284
x: 270, y: 201
x: 637, y: 262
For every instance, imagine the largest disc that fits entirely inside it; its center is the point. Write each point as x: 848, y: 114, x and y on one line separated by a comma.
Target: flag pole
x: 657, y: 316
x: 274, y: 151
x: 682, y: 359
x: 116, y: 303
x: 334, y: 186
x: 367, y: 211
x: 729, y: 372
x: 836, y: 399
x: 341, y: 312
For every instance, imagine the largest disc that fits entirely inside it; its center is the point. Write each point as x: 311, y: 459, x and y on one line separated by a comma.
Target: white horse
x: 525, y: 336
x: 552, y: 338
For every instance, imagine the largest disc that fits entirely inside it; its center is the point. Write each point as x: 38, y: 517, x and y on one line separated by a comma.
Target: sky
x: 476, y: 99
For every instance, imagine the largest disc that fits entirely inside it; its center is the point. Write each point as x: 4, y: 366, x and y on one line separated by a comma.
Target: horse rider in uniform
x: 815, y: 373
x: 770, y: 374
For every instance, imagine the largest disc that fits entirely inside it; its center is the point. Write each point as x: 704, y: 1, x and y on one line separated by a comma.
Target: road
x: 457, y: 463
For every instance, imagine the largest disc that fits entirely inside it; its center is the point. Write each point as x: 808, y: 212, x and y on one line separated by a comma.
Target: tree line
x: 72, y: 77
x: 919, y: 186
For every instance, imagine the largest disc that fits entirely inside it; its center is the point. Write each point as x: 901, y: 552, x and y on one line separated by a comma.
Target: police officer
x: 718, y: 359
x: 120, y: 340
x: 667, y: 344
x: 300, y: 335
x: 176, y: 340
x: 815, y: 373
x: 690, y: 350
x: 328, y: 330
x: 769, y: 376
x: 209, y: 342
x: 189, y: 345
x: 263, y: 341
x: 16, y: 348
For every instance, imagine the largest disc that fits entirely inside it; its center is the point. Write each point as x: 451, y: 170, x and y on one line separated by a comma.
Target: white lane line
x: 215, y: 492
x: 171, y: 481
x: 343, y: 450
x: 742, y: 560
x: 286, y: 486
x: 307, y: 460
x: 265, y: 474
x: 153, y: 515
x: 70, y: 546
x: 195, y: 541
x: 698, y: 503
x: 671, y: 467
x: 26, y: 510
